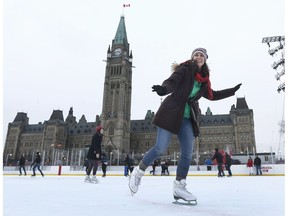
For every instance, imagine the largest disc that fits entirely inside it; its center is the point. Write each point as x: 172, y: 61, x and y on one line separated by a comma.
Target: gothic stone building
x: 233, y: 131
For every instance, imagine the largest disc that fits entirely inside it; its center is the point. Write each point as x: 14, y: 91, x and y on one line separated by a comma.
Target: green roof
x: 121, y: 35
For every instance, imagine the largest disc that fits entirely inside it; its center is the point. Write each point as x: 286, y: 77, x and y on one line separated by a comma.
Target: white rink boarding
x: 201, y: 170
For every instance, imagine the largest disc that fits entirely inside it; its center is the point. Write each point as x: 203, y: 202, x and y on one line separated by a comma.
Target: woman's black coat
x: 95, y: 147
x: 171, y: 111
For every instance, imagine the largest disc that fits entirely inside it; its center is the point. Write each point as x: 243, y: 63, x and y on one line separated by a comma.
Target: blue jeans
x: 258, y: 168
x: 186, y: 138
x: 37, y: 165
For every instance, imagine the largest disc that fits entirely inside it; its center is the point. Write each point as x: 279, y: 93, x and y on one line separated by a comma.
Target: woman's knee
x: 158, y: 151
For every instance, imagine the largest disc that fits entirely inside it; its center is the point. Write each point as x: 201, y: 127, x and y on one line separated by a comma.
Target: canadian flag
x: 126, y: 5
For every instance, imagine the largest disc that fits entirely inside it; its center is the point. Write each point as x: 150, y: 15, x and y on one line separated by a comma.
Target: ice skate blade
x: 182, y: 201
x: 91, y: 182
x: 132, y: 192
x: 189, y: 203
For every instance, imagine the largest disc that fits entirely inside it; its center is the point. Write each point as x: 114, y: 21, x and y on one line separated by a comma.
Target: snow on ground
x: 71, y: 196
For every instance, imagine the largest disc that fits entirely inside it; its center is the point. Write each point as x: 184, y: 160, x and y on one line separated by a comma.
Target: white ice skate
x: 94, y: 180
x: 87, y: 179
x: 180, y: 193
x: 135, y: 179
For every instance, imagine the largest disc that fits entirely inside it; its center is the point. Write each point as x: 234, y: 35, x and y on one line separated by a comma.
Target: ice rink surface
x: 71, y: 196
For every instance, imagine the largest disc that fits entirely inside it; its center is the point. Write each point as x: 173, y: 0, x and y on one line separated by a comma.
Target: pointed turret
x: 131, y: 57
x: 121, y: 35
x: 57, y: 115
x: 241, y: 103
x: 83, y: 119
x: 109, y: 52
x: 208, y: 112
x: 70, y: 118
x: 21, y: 117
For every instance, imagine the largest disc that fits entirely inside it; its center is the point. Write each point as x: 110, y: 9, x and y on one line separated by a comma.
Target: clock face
x: 117, y: 51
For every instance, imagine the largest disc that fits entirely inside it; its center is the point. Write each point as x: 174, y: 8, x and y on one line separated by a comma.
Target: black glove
x: 237, y: 87
x: 159, y: 89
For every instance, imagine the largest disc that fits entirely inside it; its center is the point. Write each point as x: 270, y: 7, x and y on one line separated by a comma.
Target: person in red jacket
x: 178, y: 114
x: 250, y: 165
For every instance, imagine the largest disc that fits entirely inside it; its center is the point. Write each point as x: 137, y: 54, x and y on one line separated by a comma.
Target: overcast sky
x: 54, y: 52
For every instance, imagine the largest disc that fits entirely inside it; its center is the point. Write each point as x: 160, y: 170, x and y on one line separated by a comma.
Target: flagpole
x: 124, y: 5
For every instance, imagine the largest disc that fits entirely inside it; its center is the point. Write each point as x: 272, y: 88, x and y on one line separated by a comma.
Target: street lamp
x: 111, y: 154
x: 7, y: 157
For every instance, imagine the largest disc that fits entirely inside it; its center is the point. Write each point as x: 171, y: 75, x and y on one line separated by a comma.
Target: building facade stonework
x: 66, y: 140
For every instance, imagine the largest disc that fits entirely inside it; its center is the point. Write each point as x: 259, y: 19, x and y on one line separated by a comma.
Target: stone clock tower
x: 116, y: 110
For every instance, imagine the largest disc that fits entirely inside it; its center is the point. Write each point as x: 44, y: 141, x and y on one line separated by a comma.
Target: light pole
x: 118, y: 157
x: 111, y: 154
x: 7, y: 157
x: 279, y: 65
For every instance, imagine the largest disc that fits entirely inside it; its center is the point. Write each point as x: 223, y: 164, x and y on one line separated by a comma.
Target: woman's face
x: 199, y: 58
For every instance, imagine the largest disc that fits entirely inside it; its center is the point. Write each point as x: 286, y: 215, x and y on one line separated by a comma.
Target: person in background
x: 104, y: 162
x: 208, y: 163
x: 228, y: 163
x: 154, y: 165
x: 250, y: 165
x: 179, y: 114
x: 129, y: 165
x: 94, y: 155
x: 36, y: 164
x: 219, y: 158
x: 164, y: 167
x: 257, y: 164
x: 22, y: 165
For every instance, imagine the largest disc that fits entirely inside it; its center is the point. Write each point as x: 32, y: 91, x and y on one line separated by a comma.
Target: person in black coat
x: 94, y: 154
x: 22, y: 165
x: 257, y: 164
x: 36, y: 164
x: 154, y: 165
x: 129, y: 165
x: 219, y: 158
x: 228, y: 164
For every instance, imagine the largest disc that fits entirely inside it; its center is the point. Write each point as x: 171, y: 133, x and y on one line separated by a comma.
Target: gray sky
x: 54, y: 52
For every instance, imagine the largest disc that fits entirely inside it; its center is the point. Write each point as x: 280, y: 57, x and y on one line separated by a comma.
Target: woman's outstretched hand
x: 159, y: 89
x: 237, y: 87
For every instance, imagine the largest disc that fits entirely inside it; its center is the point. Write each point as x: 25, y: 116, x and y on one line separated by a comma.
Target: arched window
x: 111, y: 130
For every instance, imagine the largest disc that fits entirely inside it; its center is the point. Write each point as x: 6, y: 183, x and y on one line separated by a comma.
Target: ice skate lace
x: 183, y: 185
x: 137, y: 179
